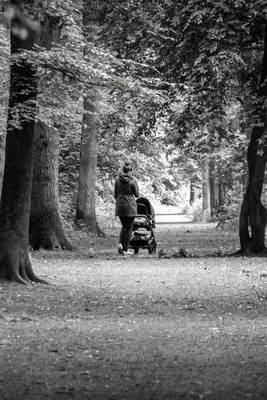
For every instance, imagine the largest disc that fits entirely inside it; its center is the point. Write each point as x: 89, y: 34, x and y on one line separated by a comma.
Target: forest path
x: 170, y: 215
x: 172, y: 219
x: 110, y: 328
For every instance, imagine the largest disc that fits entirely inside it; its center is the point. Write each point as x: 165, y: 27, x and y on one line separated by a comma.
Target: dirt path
x: 142, y: 328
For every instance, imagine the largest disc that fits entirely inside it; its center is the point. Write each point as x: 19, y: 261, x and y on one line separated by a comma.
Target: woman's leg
x: 128, y: 232
x: 122, y: 233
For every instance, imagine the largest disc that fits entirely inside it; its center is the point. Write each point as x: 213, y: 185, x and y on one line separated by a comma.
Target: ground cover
x: 139, y: 328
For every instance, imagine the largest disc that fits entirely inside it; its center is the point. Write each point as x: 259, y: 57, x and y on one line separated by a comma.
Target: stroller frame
x: 143, y: 234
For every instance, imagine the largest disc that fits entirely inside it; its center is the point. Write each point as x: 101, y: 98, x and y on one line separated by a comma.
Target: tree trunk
x: 252, y: 211
x: 213, y: 187
x: 206, y: 190
x: 192, y: 195
x: 4, y: 91
x: 85, y: 206
x: 85, y: 212
x: 15, y: 264
x: 221, y: 194
x: 46, y: 230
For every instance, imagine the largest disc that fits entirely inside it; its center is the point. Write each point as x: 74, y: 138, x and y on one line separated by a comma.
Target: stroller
x: 143, y: 235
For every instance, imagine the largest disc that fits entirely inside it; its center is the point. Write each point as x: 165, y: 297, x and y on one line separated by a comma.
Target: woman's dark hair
x: 127, y: 167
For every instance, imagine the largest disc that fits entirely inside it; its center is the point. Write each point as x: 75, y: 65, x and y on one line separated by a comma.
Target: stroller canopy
x: 145, y: 207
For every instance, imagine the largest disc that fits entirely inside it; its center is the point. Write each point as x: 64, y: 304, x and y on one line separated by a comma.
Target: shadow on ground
x: 110, y: 328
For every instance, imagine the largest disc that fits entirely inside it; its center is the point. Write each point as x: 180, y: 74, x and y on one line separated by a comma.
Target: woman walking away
x: 126, y: 189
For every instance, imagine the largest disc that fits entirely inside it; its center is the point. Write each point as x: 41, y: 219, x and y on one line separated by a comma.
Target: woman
x: 126, y: 189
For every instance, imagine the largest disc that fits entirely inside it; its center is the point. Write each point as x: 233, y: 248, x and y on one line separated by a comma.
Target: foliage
x: 173, y: 78
x: 210, y: 53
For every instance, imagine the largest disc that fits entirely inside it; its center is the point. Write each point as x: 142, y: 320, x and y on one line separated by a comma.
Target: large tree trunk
x: 86, y: 212
x: 252, y: 212
x: 46, y: 230
x: 221, y: 193
x: 213, y: 187
x: 15, y: 262
x: 4, y: 91
x: 206, y: 207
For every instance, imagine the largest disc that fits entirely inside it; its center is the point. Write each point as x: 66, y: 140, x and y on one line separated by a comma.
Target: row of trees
x: 218, y: 55
x: 55, y: 80
x: 183, y: 82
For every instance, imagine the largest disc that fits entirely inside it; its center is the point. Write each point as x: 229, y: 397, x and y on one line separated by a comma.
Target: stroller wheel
x: 152, y: 246
x: 136, y: 250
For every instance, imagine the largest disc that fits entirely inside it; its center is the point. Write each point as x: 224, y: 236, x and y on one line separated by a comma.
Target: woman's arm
x: 135, y: 189
x: 116, y: 190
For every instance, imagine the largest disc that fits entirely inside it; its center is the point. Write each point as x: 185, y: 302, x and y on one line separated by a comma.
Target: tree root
x: 249, y: 253
x: 55, y: 240
x: 46, y: 232
x: 99, y: 231
x: 66, y: 245
x: 17, y: 267
x: 89, y: 223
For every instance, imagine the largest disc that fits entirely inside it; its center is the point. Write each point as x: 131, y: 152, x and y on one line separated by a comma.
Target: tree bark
x: 86, y: 211
x: 192, y: 195
x: 221, y: 193
x: 206, y: 190
x: 4, y: 91
x: 86, y: 196
x: 46, y: 230
x: 15, y: 264
x: 252, y: 212
x: 213, y: 187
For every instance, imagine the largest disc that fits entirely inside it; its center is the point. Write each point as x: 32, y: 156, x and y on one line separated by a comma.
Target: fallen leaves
x: 173, y: 253
x: 5, y: 342
x: 2, y: 316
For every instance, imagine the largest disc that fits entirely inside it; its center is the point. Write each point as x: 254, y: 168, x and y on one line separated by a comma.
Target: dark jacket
x: 126, y: 189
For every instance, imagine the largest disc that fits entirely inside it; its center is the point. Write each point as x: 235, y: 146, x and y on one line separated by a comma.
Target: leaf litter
x: 113, y: 327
